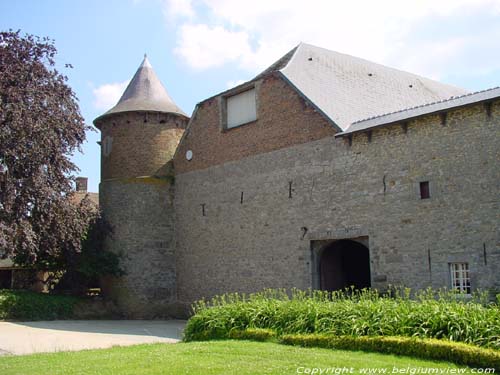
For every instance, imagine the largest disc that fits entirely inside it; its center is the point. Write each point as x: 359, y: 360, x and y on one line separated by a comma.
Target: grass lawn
x: 212, y: 357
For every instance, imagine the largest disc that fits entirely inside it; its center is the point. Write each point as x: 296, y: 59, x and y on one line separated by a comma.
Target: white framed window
x: 241, y: 108
x: 460, y: 277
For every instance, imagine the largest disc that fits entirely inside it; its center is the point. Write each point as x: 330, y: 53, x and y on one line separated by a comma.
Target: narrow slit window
x: 425, y: 192
x: 460, y: 277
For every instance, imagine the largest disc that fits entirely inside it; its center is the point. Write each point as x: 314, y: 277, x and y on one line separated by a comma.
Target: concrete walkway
x: 64, y: 335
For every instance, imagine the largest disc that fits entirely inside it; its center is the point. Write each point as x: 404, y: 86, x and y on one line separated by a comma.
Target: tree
x: 93, y: 262
x: 40, y: 127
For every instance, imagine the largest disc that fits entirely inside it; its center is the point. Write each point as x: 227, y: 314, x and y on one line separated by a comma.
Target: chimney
x: 81, y: 184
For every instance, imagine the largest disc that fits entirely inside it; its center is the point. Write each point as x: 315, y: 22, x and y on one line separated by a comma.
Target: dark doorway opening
x: 343, y: 264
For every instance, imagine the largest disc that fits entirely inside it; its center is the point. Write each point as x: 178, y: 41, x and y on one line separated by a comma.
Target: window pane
x: 241, y: 109
x: 460, y: 279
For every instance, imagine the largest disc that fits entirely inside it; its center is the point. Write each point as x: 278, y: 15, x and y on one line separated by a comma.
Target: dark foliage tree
x: 93, y: 262
x: 41, y: 225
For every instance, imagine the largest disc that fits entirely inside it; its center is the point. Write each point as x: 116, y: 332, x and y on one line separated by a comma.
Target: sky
x: 199, y: 48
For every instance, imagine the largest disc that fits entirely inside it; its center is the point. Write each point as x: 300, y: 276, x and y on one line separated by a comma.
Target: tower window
x: 425, y: 192
x: 460, y: 277
x: 106, y: 145
x: 241, y: 108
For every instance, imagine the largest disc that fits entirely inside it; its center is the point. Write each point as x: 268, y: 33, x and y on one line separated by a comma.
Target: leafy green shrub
x: 255, y: 334
x: 427, y: 314
x: 26, y: 305
x: 423, y: 348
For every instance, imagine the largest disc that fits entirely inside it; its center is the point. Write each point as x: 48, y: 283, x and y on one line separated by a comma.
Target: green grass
x: 214, y: 357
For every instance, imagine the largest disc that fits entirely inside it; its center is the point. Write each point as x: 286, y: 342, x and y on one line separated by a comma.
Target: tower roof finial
x: 145, y: 62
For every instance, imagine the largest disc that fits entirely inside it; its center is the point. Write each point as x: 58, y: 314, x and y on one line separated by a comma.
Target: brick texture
x: 283, y: 119
x: 141, y: 143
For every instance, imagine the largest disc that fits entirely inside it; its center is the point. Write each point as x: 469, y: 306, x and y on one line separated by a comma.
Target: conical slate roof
x: 145, y: 92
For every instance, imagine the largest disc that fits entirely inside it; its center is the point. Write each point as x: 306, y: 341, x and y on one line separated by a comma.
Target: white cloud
x: 204, y: 47
x: 253, y: 34
x: 107, y: 95
x: 178, y: 9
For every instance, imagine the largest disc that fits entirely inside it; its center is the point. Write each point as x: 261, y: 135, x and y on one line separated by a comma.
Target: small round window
x: 189, y: 155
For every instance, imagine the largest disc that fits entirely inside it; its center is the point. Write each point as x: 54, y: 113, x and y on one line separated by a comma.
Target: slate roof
x: 347, y: 88
x: 145, y: 92
x: 278, y: 65
x: 421, y: 110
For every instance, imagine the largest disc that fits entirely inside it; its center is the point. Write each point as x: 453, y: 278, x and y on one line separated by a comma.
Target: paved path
x: 63, y: 335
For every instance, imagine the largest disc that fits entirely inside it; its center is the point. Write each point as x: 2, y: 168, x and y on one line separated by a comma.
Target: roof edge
x: 106, y: 115
x: 186, y: 131
x: 303, y: 96
x: 423, y: 110
x: 292, y: 57
x: 267, y: 72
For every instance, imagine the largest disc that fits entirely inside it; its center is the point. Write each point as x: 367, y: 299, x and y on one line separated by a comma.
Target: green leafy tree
x: 41, y: 226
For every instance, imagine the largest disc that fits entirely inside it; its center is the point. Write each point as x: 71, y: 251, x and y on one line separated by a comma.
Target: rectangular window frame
x: 460, y: 277
x: 223, y: 112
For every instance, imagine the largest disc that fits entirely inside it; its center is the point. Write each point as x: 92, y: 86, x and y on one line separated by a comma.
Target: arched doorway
x: 343, y: 264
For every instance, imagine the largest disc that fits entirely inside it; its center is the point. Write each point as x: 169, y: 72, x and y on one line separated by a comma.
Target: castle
x: 324, y: 171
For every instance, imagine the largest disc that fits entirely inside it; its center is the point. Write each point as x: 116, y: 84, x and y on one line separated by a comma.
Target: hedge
x: 254, y: 334
x: 434, y: 349
x: 458, y: 353
x: 26, y: 305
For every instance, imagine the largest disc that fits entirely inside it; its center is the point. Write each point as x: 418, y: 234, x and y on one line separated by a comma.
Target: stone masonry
x: 368, y: 190
x: 199, y: 209
x: 136, y: 196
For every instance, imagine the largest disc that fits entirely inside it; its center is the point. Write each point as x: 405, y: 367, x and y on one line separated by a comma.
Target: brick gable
x: 284, y: 119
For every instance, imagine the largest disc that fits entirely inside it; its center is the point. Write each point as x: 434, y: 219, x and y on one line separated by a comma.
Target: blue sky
x: 201, y: 47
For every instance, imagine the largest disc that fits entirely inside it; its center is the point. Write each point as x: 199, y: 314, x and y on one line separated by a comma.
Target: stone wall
x: 141, y: 212
x: 136, y: 197
x: 247, y: 224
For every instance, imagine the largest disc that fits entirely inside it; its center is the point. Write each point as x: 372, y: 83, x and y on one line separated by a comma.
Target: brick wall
x: 139, y: 144
x: 283, y: 119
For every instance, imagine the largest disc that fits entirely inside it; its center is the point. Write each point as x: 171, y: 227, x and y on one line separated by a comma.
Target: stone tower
x: 138, y: 139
